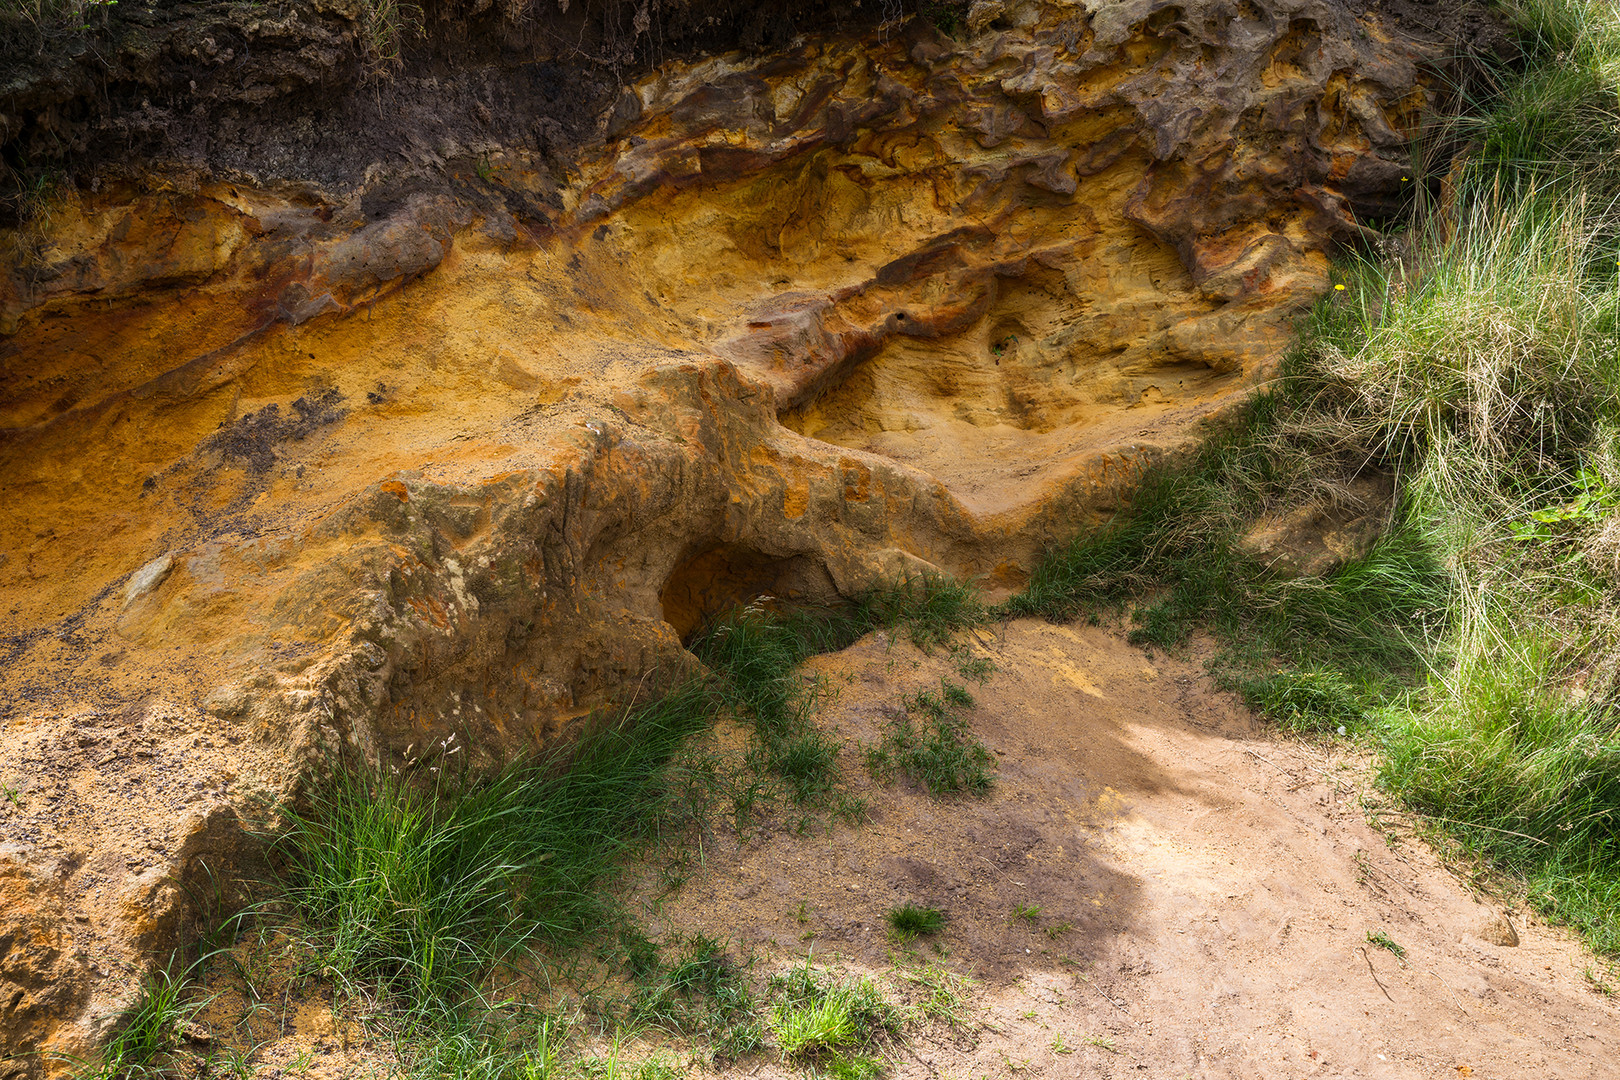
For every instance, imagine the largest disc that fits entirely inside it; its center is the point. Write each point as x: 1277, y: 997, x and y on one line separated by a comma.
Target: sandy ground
x: 1217, y: 884
x: 1205, y: 894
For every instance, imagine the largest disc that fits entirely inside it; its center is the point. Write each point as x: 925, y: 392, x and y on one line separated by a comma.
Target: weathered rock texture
x: 294, y: 471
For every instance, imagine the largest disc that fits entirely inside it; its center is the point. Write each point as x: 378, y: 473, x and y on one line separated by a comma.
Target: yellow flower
x: 1339, y: 288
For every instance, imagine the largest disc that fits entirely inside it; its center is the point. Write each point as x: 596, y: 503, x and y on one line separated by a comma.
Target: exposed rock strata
x: 295, y: 472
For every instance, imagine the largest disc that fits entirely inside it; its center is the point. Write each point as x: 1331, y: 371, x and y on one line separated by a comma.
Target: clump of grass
x: 488, y: 1046
x: 1319, y: 700
x: 702, y: 989
x: 150, y: 1032
x: 1030, y: 913
x: 908, y: 920
x: 1387, y: 943
x: 819, y: 1016
x: 931, y: 610
x: 1178, y: 553
x: 943, y: 993
x: 422, y: 891
x: 756, y: 650
x: 941, y: 753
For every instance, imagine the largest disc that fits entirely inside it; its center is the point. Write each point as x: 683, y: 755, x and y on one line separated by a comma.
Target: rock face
x: 294, y: 472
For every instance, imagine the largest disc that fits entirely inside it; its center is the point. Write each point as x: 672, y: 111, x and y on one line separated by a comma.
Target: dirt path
x: 1206, y: 892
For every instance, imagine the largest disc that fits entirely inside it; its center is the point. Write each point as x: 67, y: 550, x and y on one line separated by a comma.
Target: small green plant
x: 853, y: 1067
x: 1598, y: 983
x: 12, y: 793
x: 1060, y: 1047
x: 1027, y: 912
x: 949, y: 17
x: 908, y: 921
x: 1101, y: 1042
x: 977, y: 668
x: 850, y: 809
x: 149, y: 1033
x: 819, y: 1016
x: 944, y: 994
x: 1387, y: 943
x: 1057, y: 930
x: 420, y: 889
x: 1594, y: 501
x: 941, y: 754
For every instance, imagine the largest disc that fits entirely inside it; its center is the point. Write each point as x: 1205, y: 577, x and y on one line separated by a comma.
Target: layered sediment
x: 454, y: 450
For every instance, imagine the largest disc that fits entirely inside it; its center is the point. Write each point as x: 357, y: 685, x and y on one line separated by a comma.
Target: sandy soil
x: 1205, y: 893
x: 1218, y: 885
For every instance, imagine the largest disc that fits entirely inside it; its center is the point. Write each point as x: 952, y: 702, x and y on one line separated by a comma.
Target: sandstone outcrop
x: 294, y: 471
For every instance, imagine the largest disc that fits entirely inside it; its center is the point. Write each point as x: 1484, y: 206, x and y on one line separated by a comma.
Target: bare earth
x: 1205, y: 894
x: 1220, y: 884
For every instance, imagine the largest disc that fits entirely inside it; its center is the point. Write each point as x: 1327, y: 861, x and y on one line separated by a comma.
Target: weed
x: 944, y: 993
x: 977, y: 668
x: 819, y: 1015
x: 1385, y: 942
x: 850, y: 809
x: 942, y: 755
x: 1057, y: 930
x: 11, y: 793
x: 1027, y: 912
x: 1060, y: 1047
x: 150, y: 1031
x: 1101, y: 1042
x: 908, y: 921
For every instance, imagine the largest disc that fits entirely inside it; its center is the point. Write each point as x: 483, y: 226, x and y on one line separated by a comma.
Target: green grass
x: 1387, y: 943
x: 931, y: 744
x: 426, y: 889
x: 1477, y: 646
x: 151, y: 1031
x: 818, y: 1016
x: 1030, y: 913
x: 942, y: 994
x: 907, y: 921
x: 422, y: 892
x: 757, y: 651
x: 422, y: 888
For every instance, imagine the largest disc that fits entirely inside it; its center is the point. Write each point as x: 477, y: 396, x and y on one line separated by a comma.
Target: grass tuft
x: 940, y: 753
x: 422, y: 891
x: 818, y: 1015
x: 907, y: 921
x: 151, y: 1031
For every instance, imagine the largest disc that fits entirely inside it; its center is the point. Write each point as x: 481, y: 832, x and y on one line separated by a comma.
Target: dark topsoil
x: 295, y: 91
x: 273, y: 91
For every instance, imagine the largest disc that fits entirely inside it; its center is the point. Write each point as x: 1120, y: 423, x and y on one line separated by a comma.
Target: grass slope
x: 1476, y: 357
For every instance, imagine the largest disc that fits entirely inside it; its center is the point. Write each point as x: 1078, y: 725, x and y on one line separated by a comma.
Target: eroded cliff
x: 462, y: 442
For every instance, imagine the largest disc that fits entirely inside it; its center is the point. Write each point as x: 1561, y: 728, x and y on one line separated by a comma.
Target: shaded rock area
x: 311, y: 461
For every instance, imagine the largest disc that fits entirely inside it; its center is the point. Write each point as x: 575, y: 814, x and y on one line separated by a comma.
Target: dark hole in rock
x: 726, y: 575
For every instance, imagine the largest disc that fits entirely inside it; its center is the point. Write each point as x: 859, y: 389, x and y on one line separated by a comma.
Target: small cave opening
x: 723, y: 576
